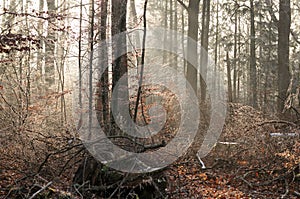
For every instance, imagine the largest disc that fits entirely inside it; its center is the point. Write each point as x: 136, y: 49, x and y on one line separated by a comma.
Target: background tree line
x: 254, y: 43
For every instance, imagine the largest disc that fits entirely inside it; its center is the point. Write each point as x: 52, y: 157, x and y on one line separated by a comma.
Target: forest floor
x: 256, y: 157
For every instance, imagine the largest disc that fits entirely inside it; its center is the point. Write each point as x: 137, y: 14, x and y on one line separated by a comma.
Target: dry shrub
x: 252, y: 132
x: 37, y: 150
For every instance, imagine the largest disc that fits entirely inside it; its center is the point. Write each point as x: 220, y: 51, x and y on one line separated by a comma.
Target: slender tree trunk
x: 80, y: 65
x: 253, y: 80
x: 41, y: 53
x: 61, y: 48
x: 193, y: 11
x: 119, y: 67
x: 234, y: 97
x: 284, y: 75
x: 50, y: 47
x: 165, y: 54
x: 229, y: 77
x: 247, y: 91
x: 182, y: 41
x: 171, y: 34
x: 104, y: 63
x: 138, y: 43
x: 216, y: 46
x: 267, y: 68
x: 204, y: 44
x: 239, y: 63
x: 175, y: 34
x: 91, y: 57
x: 102, y: 103
x: 119, y: 8
x: 261, y: 64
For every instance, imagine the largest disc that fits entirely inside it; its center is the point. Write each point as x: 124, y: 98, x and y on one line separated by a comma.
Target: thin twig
x: 287, y: 191
x: 66, y: 164
x: 270, y: 122
x: 77, y: 189
x: 157, y: 188
x: 182, y: 4
x: 296, y: 193
x: 42, y: 189
x: 121, y: 183
x: 244, y: 180
x: 55, y: 153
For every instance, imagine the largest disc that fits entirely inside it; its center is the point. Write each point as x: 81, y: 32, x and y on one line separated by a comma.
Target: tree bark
x: 229, y: 77
x: 119, y: 66
x: 137, y: 36
x: 165, y: 54
x: 193, y: 11
x: 80, y: 65
x: 102, y: 104
x: 284, y: 75
x: 216, y: 47
x: 49, y: 56
x: 235, y: 69
x: 253, y: 80
x: 175, y: 35
x: 204, y: 45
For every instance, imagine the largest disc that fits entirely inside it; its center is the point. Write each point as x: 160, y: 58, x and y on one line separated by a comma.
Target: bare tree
x: 229, y: 79
x: 193, y: 29
x: 253, y: 80
x: 284, y: 76
x: 204, y: 45
x: 50, y: 47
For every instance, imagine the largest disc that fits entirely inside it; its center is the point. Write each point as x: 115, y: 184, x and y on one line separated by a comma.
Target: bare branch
x: 182, y: 4
x: 295, y: 37
x: 273, y: 17
x: 42, y: 189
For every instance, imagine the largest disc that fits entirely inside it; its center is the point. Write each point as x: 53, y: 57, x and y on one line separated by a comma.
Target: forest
x: 149, y: 99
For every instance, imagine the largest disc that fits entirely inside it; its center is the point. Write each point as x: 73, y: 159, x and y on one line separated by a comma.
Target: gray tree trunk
x: 50, y: 49
x: 253, y: 80
x: 284, y: 75
x: 193, y: 11
x: 204, y: 44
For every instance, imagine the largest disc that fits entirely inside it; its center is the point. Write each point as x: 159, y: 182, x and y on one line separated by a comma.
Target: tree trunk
x: 182, y: 40
x: 91, y: 68
x: 216, y: 47
x: 49, y: 56
x: 175, y: 36
x: 253, y: 80
x: 165, y: 54
x: 235, y: 69
x: 266, y: 70
x: 229, y: 77
x: 137, y: 36
x: 239, y: 62
x: 102, y: 104
x: 171, y: 34
x: 41, y: 53
x: 119, y: 66
x: 284, y: 75
x: 80, y: 65
x: 204, y: 44
x: 193, y: 11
